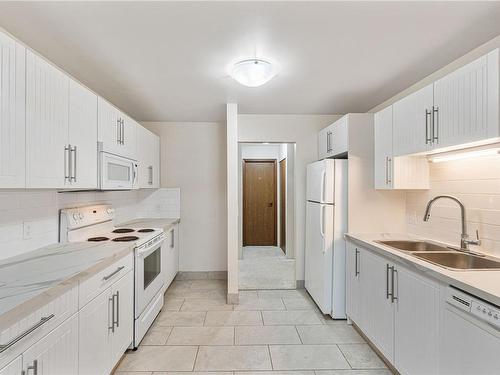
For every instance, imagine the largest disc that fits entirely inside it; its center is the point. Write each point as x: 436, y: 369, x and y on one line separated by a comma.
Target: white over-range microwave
x: 117, y: 172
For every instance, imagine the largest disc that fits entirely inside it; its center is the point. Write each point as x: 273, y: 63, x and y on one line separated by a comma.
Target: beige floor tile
x: 233, y: 318
x: 194, y: 373
x: 361, y: 356
x: 172, y: 304
x: 354, y: 372
x: 204, y: 304
x: 201, y: 336
x: 250, y: 303
x: 195, y: 293
x: 299, y: 317
x: 266, y: 335
x: 275, y: 373
x: 159, y: 358
x: 209, y: 284
x: 157, y: 335
x: 281, y: 293
x: 329, y: 334
x: 181, y: 318
x: 233, y: 358
x: 307, y: 357
x: 248, y: 294
x: 133, y: 373
x: 300, y: 304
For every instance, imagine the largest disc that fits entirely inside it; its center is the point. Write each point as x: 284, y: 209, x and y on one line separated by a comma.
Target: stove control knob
x: 109, y: 211
x: 75, y: 216
x: 80, y: 216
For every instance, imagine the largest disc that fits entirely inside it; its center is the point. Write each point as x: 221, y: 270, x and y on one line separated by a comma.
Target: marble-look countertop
x: 31, y: 280
x: 165, y: 223
x: 484, y: 284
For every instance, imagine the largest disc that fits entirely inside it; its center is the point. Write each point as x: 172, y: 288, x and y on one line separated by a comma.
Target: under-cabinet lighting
x: 463, y: 154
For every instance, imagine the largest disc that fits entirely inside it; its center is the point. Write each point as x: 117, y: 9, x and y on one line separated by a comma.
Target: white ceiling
x: 166, y: 61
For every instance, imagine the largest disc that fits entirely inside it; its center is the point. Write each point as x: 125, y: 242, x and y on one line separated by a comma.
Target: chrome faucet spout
x: 464, y: 238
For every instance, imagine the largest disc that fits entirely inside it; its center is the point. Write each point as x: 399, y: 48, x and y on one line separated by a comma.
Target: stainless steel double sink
x: 444, y: 256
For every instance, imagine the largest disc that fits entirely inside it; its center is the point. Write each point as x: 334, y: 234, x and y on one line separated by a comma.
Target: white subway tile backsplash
x: 30, y: 219
x: 476, y: 182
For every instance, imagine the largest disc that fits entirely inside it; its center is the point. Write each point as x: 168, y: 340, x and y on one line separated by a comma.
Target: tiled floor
x: 271, y: 332
x: 266, y: 267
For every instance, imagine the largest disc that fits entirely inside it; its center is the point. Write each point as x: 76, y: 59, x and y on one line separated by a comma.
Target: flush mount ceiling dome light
x: 253, y: 72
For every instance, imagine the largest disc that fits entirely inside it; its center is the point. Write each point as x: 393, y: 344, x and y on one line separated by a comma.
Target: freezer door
x: 320, y: 181
x: 318, y: 254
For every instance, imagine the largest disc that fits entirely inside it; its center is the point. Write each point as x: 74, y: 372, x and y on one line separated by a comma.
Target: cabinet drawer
x: 92, y: 287
x: 28, y: 330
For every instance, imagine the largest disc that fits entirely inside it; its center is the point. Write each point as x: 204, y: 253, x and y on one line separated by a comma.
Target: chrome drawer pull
x: 113, y: 273
x: 25, y: 333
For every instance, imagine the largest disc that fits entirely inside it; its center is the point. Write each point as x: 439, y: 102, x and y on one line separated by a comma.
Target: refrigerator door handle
x: 322, y: 223
x: 323, y: 178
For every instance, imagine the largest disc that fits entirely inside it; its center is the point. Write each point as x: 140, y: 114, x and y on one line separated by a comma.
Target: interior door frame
x: 282, y: 213
x: 274, y: 161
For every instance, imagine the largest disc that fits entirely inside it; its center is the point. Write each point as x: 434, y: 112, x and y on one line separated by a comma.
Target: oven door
x: 149, y: 277
x: 117, y: 173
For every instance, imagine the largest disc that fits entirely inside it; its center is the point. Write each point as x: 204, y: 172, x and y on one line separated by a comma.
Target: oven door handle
x: 145, y: 252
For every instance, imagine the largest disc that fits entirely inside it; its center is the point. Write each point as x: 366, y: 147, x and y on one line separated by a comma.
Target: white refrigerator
x: 326, y: 223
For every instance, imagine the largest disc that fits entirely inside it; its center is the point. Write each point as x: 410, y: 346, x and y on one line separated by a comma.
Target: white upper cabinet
x: 116, y: 130
x: 466, y: 103
x: 12, y: 113
x: 47, y: 99
x: 324, y: 139
x: 82, y: 136
x: 148, y: 154
x: 333, y: 140
x: 412, y: 116
x: 383, y: 149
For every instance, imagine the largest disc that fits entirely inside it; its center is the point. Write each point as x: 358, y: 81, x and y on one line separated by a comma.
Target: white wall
x: 303, y: 131
x: 193, y: 158
x: 29, y: 219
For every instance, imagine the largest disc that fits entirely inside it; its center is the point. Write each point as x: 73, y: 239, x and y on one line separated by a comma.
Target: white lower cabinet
x: 170, y: 261
x: 13, y: 368
x: 106, y: 328
x: 56, y: 353
x: 396, y: 309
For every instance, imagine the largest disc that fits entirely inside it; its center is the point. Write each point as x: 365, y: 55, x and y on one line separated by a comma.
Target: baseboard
x: 233, y: 298
x: 201, y: 275
x: 300, y: 284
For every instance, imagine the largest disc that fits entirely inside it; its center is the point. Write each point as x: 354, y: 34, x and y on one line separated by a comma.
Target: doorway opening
x: 267, y: 220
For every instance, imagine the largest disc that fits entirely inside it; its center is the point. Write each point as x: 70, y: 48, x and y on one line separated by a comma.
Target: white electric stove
x: 95, y: 224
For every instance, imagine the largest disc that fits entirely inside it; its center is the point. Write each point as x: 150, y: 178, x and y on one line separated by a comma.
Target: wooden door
x: 259, y: 203
x: 283, y: 205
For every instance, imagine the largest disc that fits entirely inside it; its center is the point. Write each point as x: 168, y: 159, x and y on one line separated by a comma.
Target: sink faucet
x: 464, y: 237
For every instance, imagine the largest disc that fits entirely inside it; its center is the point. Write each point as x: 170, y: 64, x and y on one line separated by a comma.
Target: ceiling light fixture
x: 253, y: 72
x: 464, y: 154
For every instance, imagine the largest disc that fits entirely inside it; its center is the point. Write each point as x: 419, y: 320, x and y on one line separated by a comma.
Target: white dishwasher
x: 470, y: 336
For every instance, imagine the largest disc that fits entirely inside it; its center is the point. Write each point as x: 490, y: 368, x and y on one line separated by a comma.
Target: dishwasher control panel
x: 474, y: 306
x: 485, y: 311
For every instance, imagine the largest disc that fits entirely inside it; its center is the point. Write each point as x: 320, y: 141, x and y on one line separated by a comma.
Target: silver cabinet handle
x: 172, y: 239
x: 118, y: 308
x: 356, y: 263
x: 387, y: 293
x: 393, y: 296
x: 33, y: 367
x: 428, y: 139
x: 105, y: 278
x: 112, y: 326
x: 16, y: 339
x: 150, y: 174
x: 72, y: 151
x: 118, y: 131
x: 435, y: 124
x: 123, y: 132
x: 389, y: 170
x: 67, y: 163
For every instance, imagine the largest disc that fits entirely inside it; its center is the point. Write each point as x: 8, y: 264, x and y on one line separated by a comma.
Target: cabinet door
x: 12, y: 113
x: 47, y: 92
x: 129, y: 137
x: 148, y: 157
x: 323, y: 143
x: 123, y: 294
x: 377, y: 311
x: 156, y: 172
x: 412, y: 122
x: 13, y: 368
x: 383, y: 149
x: 109, y: 126
x: 416, y: 324
x: 93, y: 338
x: 352, y: 282
x: 83, y: 136
x: 466, y: 103
x: 339, y: 138
x: 56, y: 353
